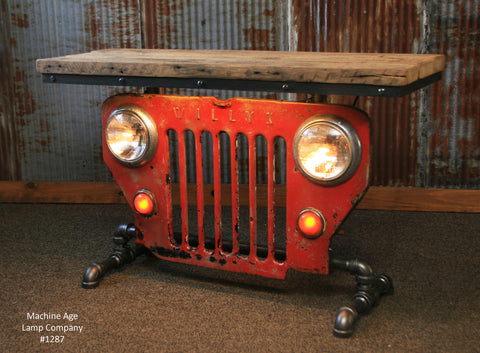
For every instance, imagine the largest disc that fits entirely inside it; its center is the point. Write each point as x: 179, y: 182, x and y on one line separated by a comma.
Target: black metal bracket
x: 123, y: 254
x: 369, y: 289
x: 245, y: 85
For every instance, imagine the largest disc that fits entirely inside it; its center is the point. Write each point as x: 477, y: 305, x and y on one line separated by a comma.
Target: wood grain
x: 376, y: 198
x: 346, y: 68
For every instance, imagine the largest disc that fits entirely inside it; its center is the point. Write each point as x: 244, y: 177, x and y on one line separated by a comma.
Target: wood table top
x: 379, y: 69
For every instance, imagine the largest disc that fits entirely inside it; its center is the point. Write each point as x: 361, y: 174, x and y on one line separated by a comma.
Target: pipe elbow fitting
x: 344, y: 322
x: 91, y: 278
x: 361, y: 268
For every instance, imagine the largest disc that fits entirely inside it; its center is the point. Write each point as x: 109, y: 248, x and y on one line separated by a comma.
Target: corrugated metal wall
x: 427, y: 138
x: 232, y: 24
x: 52, y: 132
x: 372, y: 27
x: 454, y: 138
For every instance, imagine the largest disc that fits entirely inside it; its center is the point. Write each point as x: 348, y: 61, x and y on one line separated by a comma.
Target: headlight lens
x: 131, y: 135
x: 327, y: 149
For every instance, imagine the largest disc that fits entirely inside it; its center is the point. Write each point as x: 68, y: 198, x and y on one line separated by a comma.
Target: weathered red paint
x: 270, y: 119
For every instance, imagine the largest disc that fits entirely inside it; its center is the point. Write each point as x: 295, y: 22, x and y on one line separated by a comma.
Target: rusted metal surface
x: 427, y: 139
x: 15, y: 98
x: 232, y: 24
x: 53, y: 133
x: 454, y: 144
x: 371, y: 27
x: 174, y: 115
x: 8, y: 155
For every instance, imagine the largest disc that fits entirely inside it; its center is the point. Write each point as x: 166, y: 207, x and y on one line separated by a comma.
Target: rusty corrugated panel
x: 429, y: 138
x: 426, y: 138
x: 56, y: 129
x: 454, y: 143
x: 371, y: 26
x: 232, y: 24
x: 9, y: 158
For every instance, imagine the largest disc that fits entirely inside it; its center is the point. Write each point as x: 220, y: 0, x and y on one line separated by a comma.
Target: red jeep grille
x: 226, y: 185
x: 244, y: 172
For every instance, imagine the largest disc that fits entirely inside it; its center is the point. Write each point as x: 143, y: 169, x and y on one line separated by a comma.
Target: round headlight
x: 131, y: 135
x: 327, y: 149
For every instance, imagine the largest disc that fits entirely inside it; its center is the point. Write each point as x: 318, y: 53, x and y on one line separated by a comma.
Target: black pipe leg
x: 123, y: 254
x: 369, y: 289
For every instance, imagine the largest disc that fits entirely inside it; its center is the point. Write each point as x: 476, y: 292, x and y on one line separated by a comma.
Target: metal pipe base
x: 370, y: 288
x: 123, y: 254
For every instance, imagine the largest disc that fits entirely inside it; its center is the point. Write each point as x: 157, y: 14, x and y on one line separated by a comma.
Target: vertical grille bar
x: 168, y: 188
x: 271, y: 199
x: 182, y: 169
x: 248, y: 152
x: 217, y: 195
x: 235, y: 192
x: 200, y: 198
x: 252, y: 195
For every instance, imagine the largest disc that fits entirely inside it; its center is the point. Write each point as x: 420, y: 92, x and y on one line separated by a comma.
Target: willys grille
x: 244, y: 175
x: 226, y: 186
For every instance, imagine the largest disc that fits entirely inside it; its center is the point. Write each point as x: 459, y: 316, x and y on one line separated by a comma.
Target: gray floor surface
x: 157, y: 306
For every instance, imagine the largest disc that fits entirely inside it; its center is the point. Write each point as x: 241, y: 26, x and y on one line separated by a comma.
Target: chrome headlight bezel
x: 347, y: 132
x: 148, y: 126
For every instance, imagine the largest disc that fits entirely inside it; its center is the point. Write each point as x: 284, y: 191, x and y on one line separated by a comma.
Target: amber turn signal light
x: 144, y: 203
x: 311, y: 223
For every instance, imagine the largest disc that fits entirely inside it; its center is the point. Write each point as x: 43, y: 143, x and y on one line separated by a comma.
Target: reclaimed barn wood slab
x: 307, y: 67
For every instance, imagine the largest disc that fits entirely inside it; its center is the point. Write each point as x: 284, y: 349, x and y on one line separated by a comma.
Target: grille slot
x: 242, y: 172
